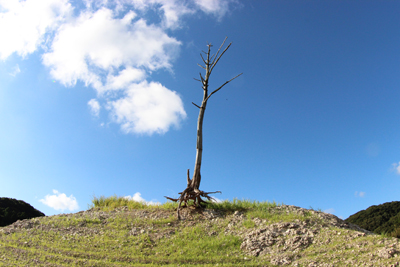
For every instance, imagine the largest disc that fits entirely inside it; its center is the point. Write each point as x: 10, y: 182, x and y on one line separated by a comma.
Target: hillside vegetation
x: 12, y: 210
x: 118, y: 232
x: 384, y: 218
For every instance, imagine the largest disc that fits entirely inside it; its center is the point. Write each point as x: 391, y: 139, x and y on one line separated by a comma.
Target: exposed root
x: 192, y: 194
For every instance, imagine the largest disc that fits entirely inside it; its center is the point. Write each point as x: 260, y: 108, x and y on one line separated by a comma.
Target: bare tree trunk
x: 195, y: 184
x: 192, y: 191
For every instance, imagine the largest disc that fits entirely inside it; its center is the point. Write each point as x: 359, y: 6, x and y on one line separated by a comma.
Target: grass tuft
x: 113, y: 202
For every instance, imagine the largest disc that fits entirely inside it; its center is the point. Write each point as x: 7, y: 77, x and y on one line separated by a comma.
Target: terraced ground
x: 115, y: 232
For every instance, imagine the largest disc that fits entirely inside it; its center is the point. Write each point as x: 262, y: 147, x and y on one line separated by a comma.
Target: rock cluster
x: 283, y: 236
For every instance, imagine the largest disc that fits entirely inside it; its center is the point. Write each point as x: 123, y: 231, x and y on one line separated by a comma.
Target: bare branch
x: 188, y: 175
x: 202, y: 79
x: 216, y: 55
x: 223, y: 85
x: 203, y: 59
x: 212, y: 192
x: 196, y: 79
x: 196, y: 105
x: 173, y: 199
x: 216, y: 61
x: 200, y: 66
x: 211, y: 58
x: 208, y: 55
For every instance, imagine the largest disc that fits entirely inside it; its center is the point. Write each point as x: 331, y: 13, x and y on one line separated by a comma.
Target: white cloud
x: 137, y: 197
x: 396, y: 168
x: 94, y: 107
x: 111, y: 46
x: 359, y: 194
x: 216, y: 7
x: 148, y: 108
x: 172, y: 10
x: 97, y: 43
x: 60, y: 201
x: 125, y: 78
x: 23, y: 24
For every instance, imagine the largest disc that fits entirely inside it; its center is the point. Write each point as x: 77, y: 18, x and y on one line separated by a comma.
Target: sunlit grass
x: 241, y: 205
x: 151, y: 235
x: 113, y: 202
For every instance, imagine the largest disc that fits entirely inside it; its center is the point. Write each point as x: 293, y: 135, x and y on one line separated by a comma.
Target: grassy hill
x: 118, y: 232
x: 384, y: 218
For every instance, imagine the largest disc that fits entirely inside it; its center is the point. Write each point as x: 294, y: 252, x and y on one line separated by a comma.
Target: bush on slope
x: 384, y: 218
x: 12, y: 210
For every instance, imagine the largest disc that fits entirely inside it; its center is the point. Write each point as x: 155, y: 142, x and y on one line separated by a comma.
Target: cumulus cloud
x: 124, y: 78
x: 60, y: 201
x: 23, y: 24
x: 396, y: 168
x: 111, y: 46
x: 96, y: 44
x: 137, y: 197
x: 148, y: 108
x: 94, y: 107
x: 359, y: 194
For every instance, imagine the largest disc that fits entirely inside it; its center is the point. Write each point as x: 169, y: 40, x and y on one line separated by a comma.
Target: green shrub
x: 384, y: 218
x: 12, y: 210
x: 396, y: 232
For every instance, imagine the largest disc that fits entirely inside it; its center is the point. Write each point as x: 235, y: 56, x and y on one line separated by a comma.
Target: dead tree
x: 192, y: 191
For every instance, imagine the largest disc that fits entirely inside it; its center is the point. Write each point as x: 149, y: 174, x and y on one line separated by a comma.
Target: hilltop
x: 239, y: 233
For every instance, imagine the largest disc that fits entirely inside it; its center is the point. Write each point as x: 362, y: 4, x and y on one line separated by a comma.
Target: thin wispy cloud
x: 110, y: 46
x: 171, y: 10
x: 60, y: 201
x: 15, y: 71
x: 396, y: 168
x: 94, y: 107
x: 359, y: 194
x: 137, y: 197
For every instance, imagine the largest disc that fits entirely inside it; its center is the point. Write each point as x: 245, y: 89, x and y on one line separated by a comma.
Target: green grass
x: 108, y: 242
x: 110, y: 203
x: 151, y: 235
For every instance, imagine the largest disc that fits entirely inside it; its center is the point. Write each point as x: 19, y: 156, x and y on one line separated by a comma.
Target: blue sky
x: 95, y: 99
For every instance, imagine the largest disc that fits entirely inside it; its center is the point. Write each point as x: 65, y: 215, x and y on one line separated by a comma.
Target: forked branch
x: 216, y: 90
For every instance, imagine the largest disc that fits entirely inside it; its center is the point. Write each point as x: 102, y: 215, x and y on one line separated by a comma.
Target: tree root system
x: 192, y: 194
